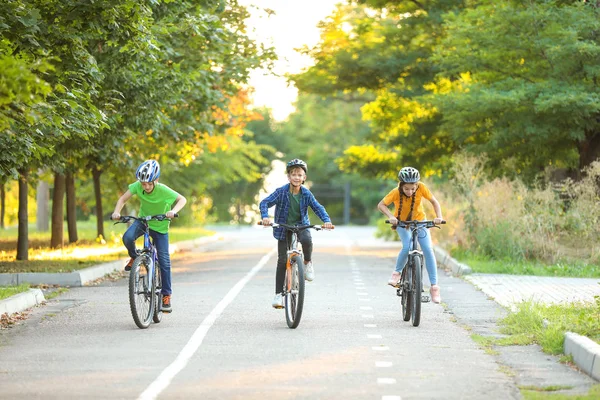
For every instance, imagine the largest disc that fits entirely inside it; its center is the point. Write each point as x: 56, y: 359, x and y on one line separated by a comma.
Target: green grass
x: 546, y: 325
x: 8, y: 291
x: 530, y: 393
x: 88, y: 251
x: 482, y: 264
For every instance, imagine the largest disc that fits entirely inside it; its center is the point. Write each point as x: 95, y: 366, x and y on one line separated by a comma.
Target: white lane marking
x: 370, y: 325
x: 383, y: 364
x: 386, y: 381
x: 380, y: 348
x: 365, y: 308
x: 374, y: 336
x: 368, y: 316
x: 363, y: 299
x: 362, y: 294
x: 391, y: 398
x: 165, y: 378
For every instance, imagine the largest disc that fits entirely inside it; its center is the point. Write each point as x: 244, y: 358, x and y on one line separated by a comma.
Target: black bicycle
x: 293, y: 284
x: 410, y: 286
x: 145, y: 283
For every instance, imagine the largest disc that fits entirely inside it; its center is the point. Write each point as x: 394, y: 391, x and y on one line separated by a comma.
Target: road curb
x: 443, y: 258
x: 21, y: 301
x: 78, y: 278
x: 585, y: 352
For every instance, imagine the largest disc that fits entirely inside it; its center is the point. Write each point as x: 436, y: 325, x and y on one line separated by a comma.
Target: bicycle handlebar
x: 127, y: 218
x: 414, y: 223
x: 295, y: 227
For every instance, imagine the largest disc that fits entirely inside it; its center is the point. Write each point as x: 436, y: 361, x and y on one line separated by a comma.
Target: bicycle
x: 145, y: 283
x: 293, y: 284
x: 410, y: 286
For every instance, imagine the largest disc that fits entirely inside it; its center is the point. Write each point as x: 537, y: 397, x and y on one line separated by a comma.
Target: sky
x: 293, y: 25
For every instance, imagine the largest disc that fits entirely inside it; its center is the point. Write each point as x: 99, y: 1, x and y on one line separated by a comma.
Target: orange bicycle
x: 293, y: 284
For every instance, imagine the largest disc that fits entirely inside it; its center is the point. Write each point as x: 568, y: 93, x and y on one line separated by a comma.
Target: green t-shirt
x: 293, y: 217
x: 158, y: 202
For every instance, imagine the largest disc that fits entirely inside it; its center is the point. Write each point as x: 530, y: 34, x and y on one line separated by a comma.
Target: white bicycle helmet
x: 409, y: 175
x: 148, y: 171
x: 296, y: 162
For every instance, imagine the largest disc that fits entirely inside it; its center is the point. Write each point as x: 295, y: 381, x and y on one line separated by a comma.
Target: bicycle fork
x: 288, y: 266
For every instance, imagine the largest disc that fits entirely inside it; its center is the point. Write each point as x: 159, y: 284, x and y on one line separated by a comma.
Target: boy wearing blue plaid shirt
x: 291, y: 203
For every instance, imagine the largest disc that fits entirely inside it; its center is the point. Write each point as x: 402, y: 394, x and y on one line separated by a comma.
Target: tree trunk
x: 42, y: 199
x: 99, y: 213
x: 71, y: 208
x: 589, y: 149
x: 2, y: 205
x: 56, y: 240
x: 23, y: 235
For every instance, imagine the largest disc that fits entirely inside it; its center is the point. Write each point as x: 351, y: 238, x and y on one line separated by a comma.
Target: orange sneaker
x: 129, y: 264
x: 166, y: 303
x: 435, y: 294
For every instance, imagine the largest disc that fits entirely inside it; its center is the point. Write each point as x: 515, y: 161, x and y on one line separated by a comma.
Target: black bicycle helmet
x: 296, y: 162
x: 409, y: 175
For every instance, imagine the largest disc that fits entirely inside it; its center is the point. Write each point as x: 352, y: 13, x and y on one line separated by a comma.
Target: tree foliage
x: 515, y: 80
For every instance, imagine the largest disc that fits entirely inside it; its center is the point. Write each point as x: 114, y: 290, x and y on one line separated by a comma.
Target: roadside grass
x: 86, y: 252
x: 546, y: 325
x: 8, y: 291
x: 483, y: 264
x: 532, y: 393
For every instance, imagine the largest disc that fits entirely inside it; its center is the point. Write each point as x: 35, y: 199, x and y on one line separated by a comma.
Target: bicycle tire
x: 157, y: 315
x: 294, y: 298
x: 140, y: 294
x: 417, y: 288
x: 406, y: 297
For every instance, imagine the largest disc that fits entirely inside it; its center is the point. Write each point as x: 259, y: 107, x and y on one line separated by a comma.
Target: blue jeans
x: 161, y: 241
x: 424, y: 238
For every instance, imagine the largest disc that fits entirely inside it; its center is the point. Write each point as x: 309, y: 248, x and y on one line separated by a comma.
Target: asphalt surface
x: 223, y: 339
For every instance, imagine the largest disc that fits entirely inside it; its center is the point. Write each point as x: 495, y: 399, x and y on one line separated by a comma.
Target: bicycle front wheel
x: 157, y: 315
x: 417, y: 288
x: 294, y: 292
x: 140, y: 292
x: 406, y: 300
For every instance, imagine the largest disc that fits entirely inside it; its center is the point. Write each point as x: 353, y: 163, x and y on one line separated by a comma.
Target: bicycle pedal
x: 425, y: 299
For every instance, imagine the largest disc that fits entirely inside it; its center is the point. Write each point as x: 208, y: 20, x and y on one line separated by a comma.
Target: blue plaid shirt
x: 280, y: 199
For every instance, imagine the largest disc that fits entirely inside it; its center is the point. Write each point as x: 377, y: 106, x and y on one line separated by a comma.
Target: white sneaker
x: 309, y: 271
x: 278, y: 301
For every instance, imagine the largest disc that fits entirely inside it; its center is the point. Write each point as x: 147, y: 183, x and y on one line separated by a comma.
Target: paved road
x: 224, y: 340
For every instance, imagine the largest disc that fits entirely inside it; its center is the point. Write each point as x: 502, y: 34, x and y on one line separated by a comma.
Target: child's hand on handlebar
x: 393, y: 220
x: 116, y: 216
x: 438, y: 221
x: 266, y: 222
x: 327, y: 225
x: 170, y: 214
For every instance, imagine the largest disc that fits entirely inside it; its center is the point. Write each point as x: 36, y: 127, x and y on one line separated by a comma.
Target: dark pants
x: 161, y: 241
x: 307, y: 247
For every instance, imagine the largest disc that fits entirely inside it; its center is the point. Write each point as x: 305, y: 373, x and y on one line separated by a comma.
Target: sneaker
x: 435, y: 294
x: 166, y: 303
x: 129, y: 264
x: 278, y: 301
x: 309, y: 271
x: 394, y: 279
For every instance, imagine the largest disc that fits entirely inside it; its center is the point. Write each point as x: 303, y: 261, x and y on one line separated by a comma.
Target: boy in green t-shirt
x: 155, y: 198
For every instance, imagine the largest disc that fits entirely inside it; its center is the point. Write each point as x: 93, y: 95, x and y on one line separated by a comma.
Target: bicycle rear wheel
x: 157, y: 315
x: 406, y: 299
x: 294, y: 292
x: 140, y: 292
x: 417, y: 287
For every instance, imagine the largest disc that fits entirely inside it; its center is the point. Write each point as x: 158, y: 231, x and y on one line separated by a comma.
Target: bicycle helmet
x: 409, y: 175
x: 296, y: 162
x: 148, y: 171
